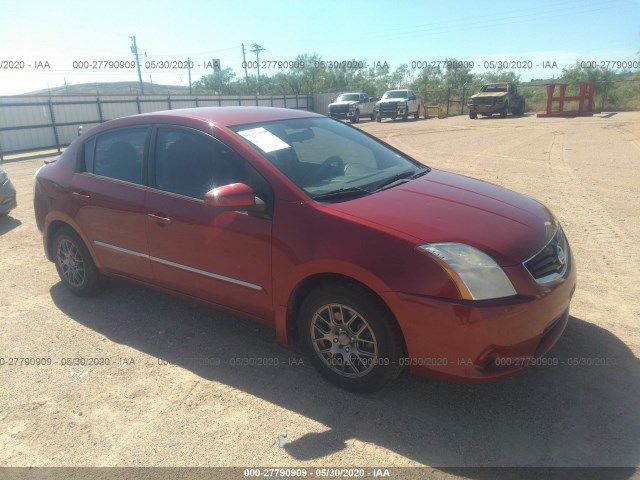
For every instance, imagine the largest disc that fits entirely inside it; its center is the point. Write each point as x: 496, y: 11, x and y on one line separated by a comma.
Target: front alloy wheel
x: 344, y: 340
x: 351, y: 337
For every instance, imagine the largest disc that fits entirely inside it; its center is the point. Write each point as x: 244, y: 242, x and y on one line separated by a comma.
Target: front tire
x: 350, y: 337
x: 356, y: 117
x: 73, y: 261
x: 417, y: 114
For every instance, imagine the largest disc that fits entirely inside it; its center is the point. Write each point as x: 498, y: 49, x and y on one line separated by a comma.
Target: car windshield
x: 395, y: 94
x: 348, y: 97
x: 494, y: 88
x: 326, y: 158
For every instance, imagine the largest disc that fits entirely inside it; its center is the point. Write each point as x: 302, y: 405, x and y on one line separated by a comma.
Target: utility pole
x: 189, y: 67
x: 244, y: 62
x: 134, y: 50
x: 257, y: 49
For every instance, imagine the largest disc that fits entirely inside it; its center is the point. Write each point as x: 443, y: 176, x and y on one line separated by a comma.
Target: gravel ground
x: 158, y: 403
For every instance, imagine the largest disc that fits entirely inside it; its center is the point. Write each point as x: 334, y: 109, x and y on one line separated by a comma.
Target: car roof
x: 229, y: 116
x: 205, y: 117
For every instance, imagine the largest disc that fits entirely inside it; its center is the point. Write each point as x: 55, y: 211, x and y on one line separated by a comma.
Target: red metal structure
x: 585, y: 99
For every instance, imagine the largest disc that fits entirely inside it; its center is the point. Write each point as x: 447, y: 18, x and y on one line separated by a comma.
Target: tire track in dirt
x: 603, y: 241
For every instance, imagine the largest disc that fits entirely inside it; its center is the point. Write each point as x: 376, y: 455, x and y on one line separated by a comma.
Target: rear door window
x: 118, y: 154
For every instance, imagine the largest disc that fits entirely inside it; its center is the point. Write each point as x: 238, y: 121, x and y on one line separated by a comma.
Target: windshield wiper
x: 343, y: 192
x: 400, y: 178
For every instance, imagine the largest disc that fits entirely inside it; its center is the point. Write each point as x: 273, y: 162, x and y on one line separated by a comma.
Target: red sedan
x: 368, y: 259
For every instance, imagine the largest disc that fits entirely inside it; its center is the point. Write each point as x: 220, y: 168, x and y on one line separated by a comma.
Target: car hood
x: 392, y: 100
x: 445, y: 207
x: 489, y: 94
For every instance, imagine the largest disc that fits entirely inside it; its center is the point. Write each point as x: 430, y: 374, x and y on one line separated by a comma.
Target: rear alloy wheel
x: 75, y: 266
x: 378, y: 117
x: 350, y: 337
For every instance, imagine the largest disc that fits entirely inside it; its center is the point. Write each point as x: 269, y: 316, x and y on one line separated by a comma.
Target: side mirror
x: 332, y: 100
x: 235, y: 196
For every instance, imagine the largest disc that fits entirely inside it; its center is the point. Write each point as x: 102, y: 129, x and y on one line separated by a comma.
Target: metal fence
x: 31, y: 123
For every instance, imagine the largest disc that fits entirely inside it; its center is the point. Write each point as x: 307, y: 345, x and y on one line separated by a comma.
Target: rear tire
x: 350, y: 337
x: 73, y: 261
x: 378, y: 117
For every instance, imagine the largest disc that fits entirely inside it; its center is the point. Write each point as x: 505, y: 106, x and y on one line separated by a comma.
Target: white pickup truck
x: 397, y: 103
x: 352, y: 106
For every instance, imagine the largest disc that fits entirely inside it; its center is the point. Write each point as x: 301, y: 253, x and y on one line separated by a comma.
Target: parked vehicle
x: 7, y: 194
x: 493, y: 98
x: 352, y: 106
x: 397, y: 103
x: 369, y: 260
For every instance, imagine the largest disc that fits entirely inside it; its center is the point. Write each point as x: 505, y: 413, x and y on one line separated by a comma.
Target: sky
x: 544, y: 36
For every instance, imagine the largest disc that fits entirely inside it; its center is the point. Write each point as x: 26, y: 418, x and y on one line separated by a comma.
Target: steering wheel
x: 331, y: 167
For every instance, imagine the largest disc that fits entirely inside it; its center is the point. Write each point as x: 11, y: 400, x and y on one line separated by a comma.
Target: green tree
x: 428, y: 85
x: 216, y: 83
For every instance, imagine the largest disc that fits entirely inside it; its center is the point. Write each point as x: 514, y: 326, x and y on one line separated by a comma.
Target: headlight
x: 352, y: 106
x: 475, y: 273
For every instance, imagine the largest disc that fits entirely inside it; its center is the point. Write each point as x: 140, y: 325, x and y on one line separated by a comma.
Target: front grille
x: 484, y: 101
x: 339, y: 108
x: 551, y: 262
x: 389, y: 107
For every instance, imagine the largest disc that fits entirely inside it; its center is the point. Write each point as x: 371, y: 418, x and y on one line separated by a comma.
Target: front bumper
x: 342, y: 115
x: 481, y: 341
x: 483, y: 108
x: 7, y: 197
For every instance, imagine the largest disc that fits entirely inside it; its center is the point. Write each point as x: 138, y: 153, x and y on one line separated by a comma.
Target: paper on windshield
x: 263, y: 139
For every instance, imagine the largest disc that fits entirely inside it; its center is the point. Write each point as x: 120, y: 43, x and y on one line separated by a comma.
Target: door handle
x: 81, y: 196
x: 159, y: 219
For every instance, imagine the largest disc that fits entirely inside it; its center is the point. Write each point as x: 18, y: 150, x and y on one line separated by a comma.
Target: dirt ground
x: 160, y: 402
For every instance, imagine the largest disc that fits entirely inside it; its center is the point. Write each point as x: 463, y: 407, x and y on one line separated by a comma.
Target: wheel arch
x: 50, y: 232
x: 310, y: 283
